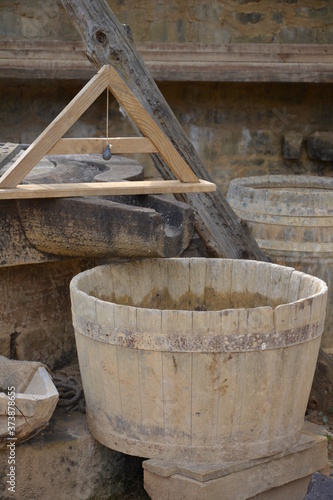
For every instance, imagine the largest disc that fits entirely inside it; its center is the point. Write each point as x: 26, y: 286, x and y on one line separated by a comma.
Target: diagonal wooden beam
x: 108, y: 42
x: 49, y: 141
x: 148, y: 127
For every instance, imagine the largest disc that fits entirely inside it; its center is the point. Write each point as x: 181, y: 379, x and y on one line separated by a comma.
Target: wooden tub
x: 291, y: 217
x: 197, y: 359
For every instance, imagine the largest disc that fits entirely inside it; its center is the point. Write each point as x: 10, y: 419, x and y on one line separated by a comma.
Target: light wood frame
x: 50, y: 142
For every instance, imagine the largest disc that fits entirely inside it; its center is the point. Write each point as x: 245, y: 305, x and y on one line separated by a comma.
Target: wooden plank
x: 151, y: 391
x: 29, y: 191
x: 32, y: 48
x: 177, y: 61
x: 91, y: 145
x: 243, y: 52
x: 244, y: 72
x: 148, y: 127
x: 177, y: 396
x: 56, y: 129
x: 204, y: 401
x: 130, y: 392
x: 155, y: 51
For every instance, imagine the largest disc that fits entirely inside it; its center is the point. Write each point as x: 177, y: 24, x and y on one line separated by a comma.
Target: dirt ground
x: 325, y: 421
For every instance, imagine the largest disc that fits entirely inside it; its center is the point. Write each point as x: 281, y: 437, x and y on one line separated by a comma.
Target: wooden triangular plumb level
x: 50, y: 142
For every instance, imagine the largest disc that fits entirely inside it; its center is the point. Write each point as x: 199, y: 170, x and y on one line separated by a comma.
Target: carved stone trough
x: 28, y: 398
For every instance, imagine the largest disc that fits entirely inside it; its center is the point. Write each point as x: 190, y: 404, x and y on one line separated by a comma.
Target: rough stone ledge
x: 64, y: 461
x: 284, y: 475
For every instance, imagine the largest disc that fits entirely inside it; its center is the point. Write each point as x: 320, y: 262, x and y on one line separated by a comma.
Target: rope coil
x: 70, y: 392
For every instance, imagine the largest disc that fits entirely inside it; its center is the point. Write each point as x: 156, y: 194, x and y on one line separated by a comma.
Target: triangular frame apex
x: 50, y: 140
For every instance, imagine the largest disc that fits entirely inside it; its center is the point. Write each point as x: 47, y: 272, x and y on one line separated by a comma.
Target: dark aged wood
x: 108, y: 42
x: 36, y: 231
x: 94, y: 227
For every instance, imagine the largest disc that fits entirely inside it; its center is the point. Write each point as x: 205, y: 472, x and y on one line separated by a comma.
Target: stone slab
x: 64, y: 461
x: 277, y: 475
x: 320, y: 146
x: 292, y: 145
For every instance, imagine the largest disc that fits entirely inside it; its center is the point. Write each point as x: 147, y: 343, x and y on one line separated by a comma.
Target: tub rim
x: 173, y: 330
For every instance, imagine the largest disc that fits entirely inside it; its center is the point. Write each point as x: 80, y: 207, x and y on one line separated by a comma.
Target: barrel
x: 197, y: 359
x: 291, y: 217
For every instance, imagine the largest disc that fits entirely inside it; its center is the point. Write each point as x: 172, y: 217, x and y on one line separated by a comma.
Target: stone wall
x: 230, y: 21
x: 237, y: 128
x: 35, y: 311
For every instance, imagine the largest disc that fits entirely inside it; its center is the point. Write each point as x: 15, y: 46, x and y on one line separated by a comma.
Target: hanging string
x: 107, y: 152
x: 107, y: 114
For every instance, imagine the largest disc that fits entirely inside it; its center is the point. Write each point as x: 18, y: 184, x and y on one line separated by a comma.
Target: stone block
x: 292, y: 145
x: 277, y: 477
x: 277, y: 17
x: 263, y: 142
x: 249, y: 17
x: 320, y: 146
x: 65, y: 462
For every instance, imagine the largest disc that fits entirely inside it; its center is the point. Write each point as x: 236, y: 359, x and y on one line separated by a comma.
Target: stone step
x: 280, y: 477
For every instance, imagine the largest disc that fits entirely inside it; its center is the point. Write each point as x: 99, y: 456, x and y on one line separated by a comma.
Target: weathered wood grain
x: 102, y: 228
x: 44, y: 231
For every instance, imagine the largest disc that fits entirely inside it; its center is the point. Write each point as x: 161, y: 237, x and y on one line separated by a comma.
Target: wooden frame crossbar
x: 89, y: 146
x: 50, y: 142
